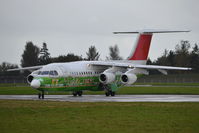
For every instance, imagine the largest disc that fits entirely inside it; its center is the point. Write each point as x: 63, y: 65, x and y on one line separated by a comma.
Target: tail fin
x: 141, y: 49
x: 142, y: 46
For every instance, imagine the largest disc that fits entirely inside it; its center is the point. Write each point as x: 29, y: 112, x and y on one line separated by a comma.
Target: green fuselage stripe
x: 73, y: 83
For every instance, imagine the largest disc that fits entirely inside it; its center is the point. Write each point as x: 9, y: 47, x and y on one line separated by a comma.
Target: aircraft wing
x: 26, y: 68
x: 162, y: 67
x: 130, y: 65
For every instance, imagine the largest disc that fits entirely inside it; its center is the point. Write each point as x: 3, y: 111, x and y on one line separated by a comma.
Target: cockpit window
x: 52, y: 73
x: 45, y: 73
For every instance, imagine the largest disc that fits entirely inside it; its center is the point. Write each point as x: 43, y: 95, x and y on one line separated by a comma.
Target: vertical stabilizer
x: 141, y: 49
x: 142, y: 45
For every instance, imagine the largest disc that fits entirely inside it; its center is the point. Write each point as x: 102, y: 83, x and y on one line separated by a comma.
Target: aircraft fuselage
x: 73, y: 76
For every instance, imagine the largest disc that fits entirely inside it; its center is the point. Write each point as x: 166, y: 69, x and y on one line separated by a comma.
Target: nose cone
x: 35, y: 83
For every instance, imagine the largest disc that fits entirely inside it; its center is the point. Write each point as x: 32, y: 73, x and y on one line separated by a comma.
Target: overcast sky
x: 72, y: 26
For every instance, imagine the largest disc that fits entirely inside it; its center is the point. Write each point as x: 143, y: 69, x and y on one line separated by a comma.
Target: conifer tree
x: 92, y: 53
x: 114, y: 53
x: 44, y: 55
x: 30, y: 55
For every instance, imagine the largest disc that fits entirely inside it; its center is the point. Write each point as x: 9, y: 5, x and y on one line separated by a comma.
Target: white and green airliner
x: 105, y: 76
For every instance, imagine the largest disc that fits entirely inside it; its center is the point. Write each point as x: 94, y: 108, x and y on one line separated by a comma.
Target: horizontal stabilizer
x: 151, y: 31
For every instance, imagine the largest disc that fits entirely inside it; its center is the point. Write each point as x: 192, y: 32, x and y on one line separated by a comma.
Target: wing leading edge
x: 130, y: 65
x: 26, y: 68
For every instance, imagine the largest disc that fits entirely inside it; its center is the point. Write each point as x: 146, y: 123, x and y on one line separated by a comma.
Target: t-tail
x: 142, y: 45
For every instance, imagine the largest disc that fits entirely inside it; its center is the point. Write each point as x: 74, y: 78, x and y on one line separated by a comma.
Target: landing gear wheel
x: 107, y: 93
x: 79, y: 93
x: 112, y: 93
x: 42, y: 95
x: 74, y: 93
x: 39, y: 95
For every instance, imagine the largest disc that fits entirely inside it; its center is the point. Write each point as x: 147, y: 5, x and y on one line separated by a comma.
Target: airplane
x: 105, y: 76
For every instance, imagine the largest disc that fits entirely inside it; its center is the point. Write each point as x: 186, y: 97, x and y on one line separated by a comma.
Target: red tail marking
x: 142, y: 48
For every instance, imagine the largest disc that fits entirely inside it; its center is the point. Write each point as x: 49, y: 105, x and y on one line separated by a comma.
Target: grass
x: 25, y: 90
x: 65, y: 117
x: 159, y: 90
x: 13, y: 84
x: 169, y: 84
x: 14, y: 90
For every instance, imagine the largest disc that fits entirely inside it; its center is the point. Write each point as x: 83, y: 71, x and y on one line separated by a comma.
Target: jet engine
x: 128, y: 78
x: 106, y: 78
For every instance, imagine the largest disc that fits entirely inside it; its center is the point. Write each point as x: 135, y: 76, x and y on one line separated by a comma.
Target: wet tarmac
x: 103, y: 98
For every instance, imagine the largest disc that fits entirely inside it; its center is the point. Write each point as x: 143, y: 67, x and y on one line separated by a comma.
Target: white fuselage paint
x: 72, y: 68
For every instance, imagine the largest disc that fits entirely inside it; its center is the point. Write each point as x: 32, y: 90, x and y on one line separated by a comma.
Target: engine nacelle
x: 30, y: 78
x: 106, y: 78
x: 128, y: 78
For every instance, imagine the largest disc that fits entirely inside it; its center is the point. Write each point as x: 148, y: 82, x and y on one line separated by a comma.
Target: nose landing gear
x: 41, y: 95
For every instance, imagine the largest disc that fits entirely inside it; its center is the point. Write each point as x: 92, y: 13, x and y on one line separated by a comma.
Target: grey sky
x: 73, y: 25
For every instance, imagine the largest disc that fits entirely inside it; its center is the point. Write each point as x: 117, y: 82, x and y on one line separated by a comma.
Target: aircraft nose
x: 35, y: 83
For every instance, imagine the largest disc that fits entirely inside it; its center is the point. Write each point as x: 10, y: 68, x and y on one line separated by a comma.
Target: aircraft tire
x: 74, y: 94
x: 79, y: 93
x: 42, y: 95
x: 107, y: 93
x: 39, y: 95
x: 112, y: 93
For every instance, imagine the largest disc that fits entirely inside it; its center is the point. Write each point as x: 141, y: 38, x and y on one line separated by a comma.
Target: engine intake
x: 128, y: 78
x: 106, y: 78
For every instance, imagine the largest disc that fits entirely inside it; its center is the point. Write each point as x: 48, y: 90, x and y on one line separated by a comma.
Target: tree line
x: 34, y: 55
x: 182, y: 55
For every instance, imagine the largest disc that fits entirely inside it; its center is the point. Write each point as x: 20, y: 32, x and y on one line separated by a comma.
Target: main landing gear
x: 79, y: 93
x: 110, y: 92
x: 41, y: 95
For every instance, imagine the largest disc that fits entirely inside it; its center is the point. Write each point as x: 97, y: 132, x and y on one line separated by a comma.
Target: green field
x: 169, y: 84
x: 160, y: 90
x: 66, y: 117
x: 25, y: 90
